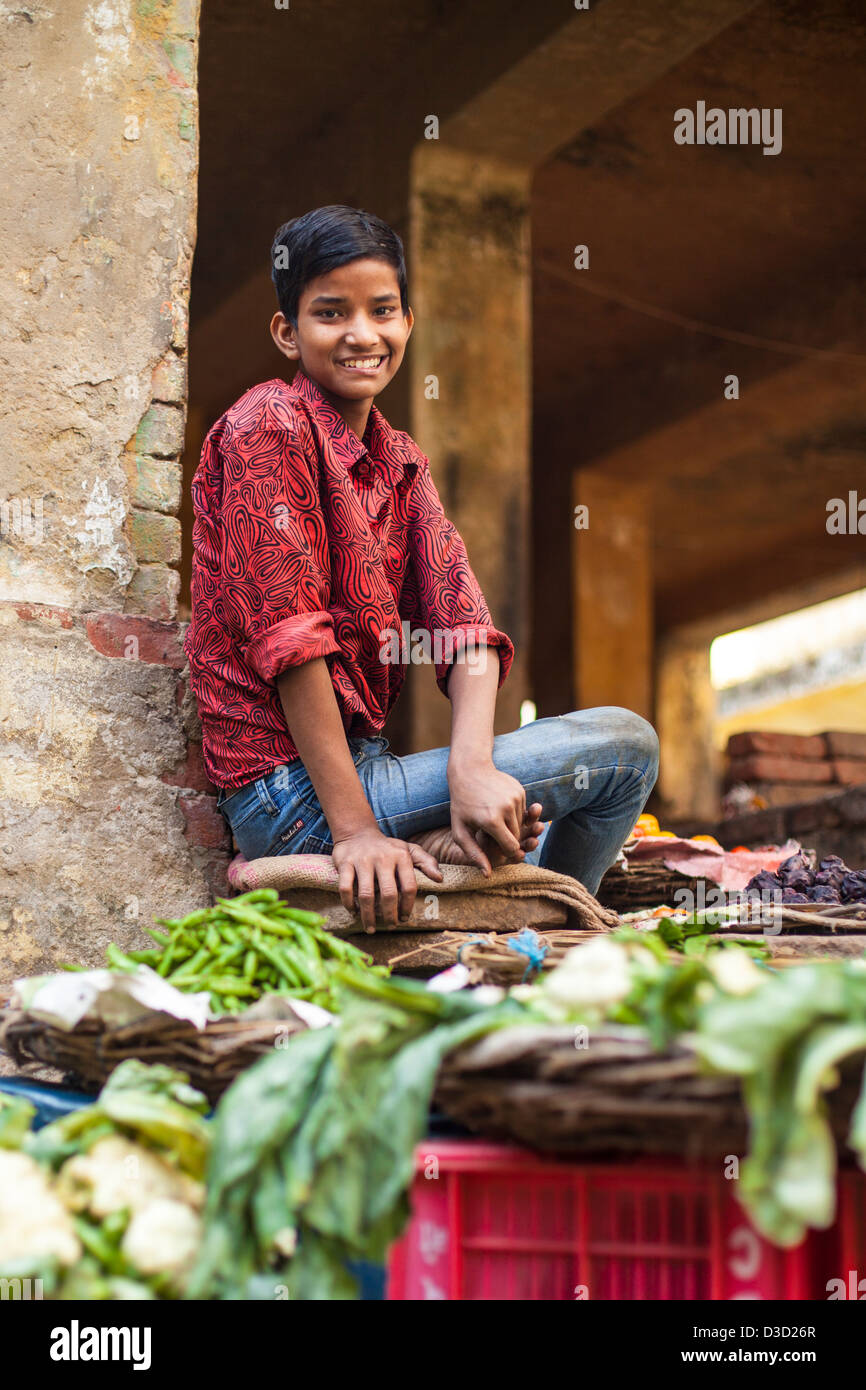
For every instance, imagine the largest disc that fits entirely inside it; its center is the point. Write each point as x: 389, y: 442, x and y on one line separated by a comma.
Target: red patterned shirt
x: 310, y: 542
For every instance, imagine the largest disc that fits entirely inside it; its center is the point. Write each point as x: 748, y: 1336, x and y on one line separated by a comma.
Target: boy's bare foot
x: 445, y: 850
x: 440, y: 844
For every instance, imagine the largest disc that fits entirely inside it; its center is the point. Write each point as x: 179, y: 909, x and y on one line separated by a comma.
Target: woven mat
x: 290, y: 871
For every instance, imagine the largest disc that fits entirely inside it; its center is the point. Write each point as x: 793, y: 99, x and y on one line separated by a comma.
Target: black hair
x: 324, y: 239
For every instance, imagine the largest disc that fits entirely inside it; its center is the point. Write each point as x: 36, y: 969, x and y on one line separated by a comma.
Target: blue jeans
x: 592, y: 771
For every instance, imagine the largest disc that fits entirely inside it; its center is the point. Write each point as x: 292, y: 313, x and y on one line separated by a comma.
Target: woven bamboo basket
x: 491, y: 961
x: 645, y: 885
x: 539, y: 1086
x: 89, y: 1053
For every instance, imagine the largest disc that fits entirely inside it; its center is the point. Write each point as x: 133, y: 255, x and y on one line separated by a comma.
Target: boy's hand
x: 372, y: 860
x: 489, y: 804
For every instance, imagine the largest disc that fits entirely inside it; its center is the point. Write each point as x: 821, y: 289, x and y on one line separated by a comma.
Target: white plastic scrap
x: 111, y: 995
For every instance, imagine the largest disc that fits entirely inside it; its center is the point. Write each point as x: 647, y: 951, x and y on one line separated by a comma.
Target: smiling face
x: 351, y: 334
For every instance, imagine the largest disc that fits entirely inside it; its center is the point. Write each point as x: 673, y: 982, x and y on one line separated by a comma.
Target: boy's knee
x: 633, y: 737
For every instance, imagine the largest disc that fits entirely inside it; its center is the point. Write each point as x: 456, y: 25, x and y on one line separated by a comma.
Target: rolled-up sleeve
x: 441, y: 592
x: 273, y: 568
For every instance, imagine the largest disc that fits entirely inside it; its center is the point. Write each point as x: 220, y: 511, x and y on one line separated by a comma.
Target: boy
x: 318, y: 535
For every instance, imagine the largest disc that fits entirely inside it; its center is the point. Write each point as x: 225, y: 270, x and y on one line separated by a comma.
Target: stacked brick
x: 155, y: 476
x: 787, y: 768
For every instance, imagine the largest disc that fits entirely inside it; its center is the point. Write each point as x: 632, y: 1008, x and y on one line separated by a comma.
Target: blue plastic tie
x: 528, y: 943
x: 468, y: 942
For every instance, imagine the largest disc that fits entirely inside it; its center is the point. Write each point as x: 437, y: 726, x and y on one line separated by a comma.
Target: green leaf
x: 671, y: 932
x: 16, y: 1116
x: 696, y: 945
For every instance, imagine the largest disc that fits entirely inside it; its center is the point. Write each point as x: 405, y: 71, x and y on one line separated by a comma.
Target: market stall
x: 633, y: 1096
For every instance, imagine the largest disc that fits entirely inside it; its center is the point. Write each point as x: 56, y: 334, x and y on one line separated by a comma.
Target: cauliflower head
x: 118, y: 1174
x: 33, y: 1221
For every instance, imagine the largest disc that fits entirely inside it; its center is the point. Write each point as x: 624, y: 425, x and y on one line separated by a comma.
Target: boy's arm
x: 362, y: 854
x: 482, y: 797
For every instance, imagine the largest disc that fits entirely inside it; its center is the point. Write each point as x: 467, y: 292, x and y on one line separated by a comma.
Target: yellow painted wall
x: 841, y: 707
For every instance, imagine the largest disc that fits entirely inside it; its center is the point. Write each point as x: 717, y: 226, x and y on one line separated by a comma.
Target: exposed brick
x: 155, y: 538
x: 141, y: 639
x: 776, y: 745
x: 156, y: 484
x: 849, y: 771
x: 852, y: 808
x: 184, y: 19
x: 161, y: 432
x: 204, y: 824
x: 43, y: 613
x: 213, y: 865
x: 181, y: 55
x: 187, y: 127
x: 803, y: 820
x: 169, y: 380
x: 845, y: 745
x: 191, y: 772
x: 753, y: 828
x: 761, y: 767
x: 153, y: 590
x: 791, y: 793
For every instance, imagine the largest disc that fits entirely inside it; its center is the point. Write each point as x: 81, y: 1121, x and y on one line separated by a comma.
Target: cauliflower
x: 735, y: 972
x: 33, y: 1222
x: 591, y: 976
x: 118, y: 1174
x: 163, y: 1237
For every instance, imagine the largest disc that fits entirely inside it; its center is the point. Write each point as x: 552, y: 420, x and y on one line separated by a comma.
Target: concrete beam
x: 795, y: 400
x: 596, y: 61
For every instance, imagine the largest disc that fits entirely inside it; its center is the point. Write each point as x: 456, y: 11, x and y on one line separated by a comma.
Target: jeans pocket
x: 261, y: 835
x: 314, y: 845
x: 240, y: 805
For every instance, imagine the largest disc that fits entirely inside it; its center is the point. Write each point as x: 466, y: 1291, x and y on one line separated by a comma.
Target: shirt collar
x: 384, y: 446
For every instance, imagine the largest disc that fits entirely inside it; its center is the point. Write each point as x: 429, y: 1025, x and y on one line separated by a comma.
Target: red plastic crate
x: 846, y: 1260
x: 494, y: 1222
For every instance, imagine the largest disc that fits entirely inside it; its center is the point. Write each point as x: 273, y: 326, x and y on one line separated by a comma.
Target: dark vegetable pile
x: 832, y: 882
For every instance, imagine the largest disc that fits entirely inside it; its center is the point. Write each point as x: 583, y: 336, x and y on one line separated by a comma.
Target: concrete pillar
x: 612, y: 586
x: 471, y: 386
x: 689, y: 772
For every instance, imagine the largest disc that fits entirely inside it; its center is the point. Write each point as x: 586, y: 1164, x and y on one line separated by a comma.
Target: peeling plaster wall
x: 95, y: 831
x: 97, y: 229
x: 105, y: 816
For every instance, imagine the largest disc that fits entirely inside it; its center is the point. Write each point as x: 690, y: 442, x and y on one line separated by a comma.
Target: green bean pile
x: 242, y: 948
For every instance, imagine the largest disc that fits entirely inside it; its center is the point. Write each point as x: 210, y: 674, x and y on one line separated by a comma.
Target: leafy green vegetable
x: 325, y: 1166
x: 154, y: 1105
x: 785, y: 1040
x: 689, y: 937
x: 16, y: 1116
